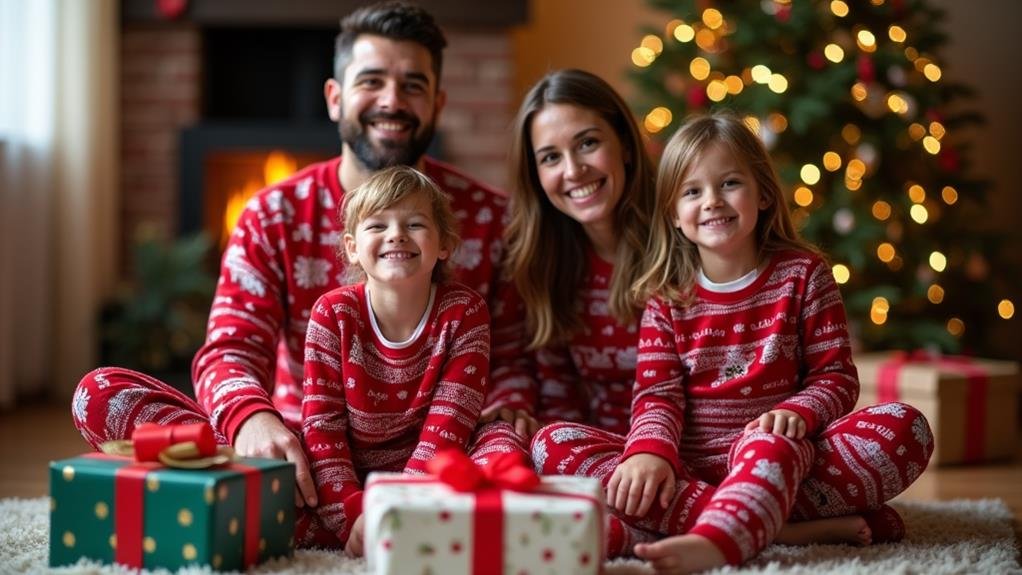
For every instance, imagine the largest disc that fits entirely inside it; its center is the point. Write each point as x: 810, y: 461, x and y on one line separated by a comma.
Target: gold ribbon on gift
x: 186, y: 446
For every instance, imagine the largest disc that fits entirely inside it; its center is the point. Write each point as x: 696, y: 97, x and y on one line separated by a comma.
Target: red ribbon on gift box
x: 503, y: 471
x: 976, y: 389
x: 129, y: 487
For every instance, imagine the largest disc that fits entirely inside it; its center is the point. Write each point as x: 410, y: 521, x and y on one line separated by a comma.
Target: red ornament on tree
x: 864, y: 66
x: 783, y: 13
x: 948, y: 159
x: 816, y: 60
x: 696, y: 97
x: 171, y: 9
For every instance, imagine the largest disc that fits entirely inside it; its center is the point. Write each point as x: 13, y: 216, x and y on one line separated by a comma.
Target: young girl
x: 395, y: 366
x: 745, y: 370
x: 744, y: 377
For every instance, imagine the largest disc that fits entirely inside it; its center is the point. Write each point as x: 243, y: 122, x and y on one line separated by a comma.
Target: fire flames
x: 278, y: 166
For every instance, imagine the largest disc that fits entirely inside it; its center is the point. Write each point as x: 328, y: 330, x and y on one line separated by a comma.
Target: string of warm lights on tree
x: 870, y: 139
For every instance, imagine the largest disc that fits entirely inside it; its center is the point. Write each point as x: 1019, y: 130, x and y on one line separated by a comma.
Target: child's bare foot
x: 850, y: 529
x: 886, y: 524
x: 681, y: 554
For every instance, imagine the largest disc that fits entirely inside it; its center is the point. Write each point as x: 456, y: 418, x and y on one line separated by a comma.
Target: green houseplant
x: 157, y: 320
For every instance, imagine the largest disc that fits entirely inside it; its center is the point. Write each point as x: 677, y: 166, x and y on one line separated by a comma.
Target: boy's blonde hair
x: 672, y: 261
x: 386, y: 188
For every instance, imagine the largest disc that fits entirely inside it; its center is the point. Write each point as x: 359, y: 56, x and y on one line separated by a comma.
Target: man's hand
x: 263, y: 434
x: 525, y: 425
x: 780, y: 422
x: 636, y: 481
x: 354, y: 547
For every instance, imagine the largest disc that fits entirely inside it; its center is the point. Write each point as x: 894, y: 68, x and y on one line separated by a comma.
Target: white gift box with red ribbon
x: 422, y: 524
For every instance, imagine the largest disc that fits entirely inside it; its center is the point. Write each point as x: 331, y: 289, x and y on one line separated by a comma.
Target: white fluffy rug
x: 943, y: 537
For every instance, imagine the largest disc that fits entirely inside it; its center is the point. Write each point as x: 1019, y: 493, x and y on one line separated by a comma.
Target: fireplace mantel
x: 326, y: 13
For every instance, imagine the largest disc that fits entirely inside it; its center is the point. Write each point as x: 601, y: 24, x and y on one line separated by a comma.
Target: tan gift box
x: 971, y: 403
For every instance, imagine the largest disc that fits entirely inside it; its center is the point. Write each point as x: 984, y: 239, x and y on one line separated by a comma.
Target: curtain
x: 58, y: 189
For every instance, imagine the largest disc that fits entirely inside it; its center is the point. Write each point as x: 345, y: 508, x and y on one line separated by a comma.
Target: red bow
x: 184, y: 446
x: 503, y: 470
x: 151, y: 439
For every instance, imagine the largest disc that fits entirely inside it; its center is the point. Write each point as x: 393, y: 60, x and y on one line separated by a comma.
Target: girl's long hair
x: 547, y: 249
x: 672, y: 261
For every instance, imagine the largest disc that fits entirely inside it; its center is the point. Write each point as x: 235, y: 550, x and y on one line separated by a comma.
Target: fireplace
x: 263, y: 118
x: 227, y: 96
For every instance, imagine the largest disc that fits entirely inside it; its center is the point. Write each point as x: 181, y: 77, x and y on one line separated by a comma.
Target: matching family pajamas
x: 704, y: 370
x: 589, y: 379
x: 281, y: 257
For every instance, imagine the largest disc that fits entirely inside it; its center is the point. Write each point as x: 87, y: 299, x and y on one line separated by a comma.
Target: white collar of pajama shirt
x: 731, y: 286
x: 418, y: 329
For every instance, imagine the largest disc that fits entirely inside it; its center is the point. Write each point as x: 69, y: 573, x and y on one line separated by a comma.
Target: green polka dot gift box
x: 147, y: 515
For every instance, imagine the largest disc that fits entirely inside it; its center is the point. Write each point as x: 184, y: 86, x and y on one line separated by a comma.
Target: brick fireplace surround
x: 161, y: 89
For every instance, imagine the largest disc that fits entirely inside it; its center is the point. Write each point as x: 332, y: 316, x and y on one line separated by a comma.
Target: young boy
x: 395, y: 365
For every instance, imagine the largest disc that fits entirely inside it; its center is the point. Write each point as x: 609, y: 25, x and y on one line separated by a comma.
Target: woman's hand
x: 779, y: 422
x: 636, y: 481
x: 524, y: 423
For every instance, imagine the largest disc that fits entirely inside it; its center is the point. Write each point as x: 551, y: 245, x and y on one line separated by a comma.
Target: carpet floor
x: 947, y: 537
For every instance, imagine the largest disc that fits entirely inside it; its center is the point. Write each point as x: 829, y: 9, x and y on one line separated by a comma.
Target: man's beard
x: 390, y: 153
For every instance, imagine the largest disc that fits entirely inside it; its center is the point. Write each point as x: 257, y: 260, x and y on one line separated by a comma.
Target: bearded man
x: 385, y: 97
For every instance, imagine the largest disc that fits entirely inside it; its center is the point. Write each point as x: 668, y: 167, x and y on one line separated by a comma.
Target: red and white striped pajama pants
x: 111, y: 402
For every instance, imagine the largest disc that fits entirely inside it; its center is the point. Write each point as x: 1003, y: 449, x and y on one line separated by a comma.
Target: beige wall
x: 595, y: 35
x: 985, y: 52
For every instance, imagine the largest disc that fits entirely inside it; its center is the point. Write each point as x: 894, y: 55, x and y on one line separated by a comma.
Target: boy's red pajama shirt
x: 371, y: 405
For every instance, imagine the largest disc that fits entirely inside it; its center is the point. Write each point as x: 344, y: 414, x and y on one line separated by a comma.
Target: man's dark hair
x: 393, y: 20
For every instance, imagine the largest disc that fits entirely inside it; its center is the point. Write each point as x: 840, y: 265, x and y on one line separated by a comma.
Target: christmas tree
x: 870, y: 141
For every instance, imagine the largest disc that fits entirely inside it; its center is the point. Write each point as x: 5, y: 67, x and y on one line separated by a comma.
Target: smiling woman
x: 582, y: 199
x: 583, y: 186
x: 581, y: 167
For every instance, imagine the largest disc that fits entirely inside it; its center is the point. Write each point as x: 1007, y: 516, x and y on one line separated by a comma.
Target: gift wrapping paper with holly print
x: 178, y: 517
x: 419, y: 525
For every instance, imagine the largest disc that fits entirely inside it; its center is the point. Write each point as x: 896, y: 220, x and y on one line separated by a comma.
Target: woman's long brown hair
x: 547, y: 249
